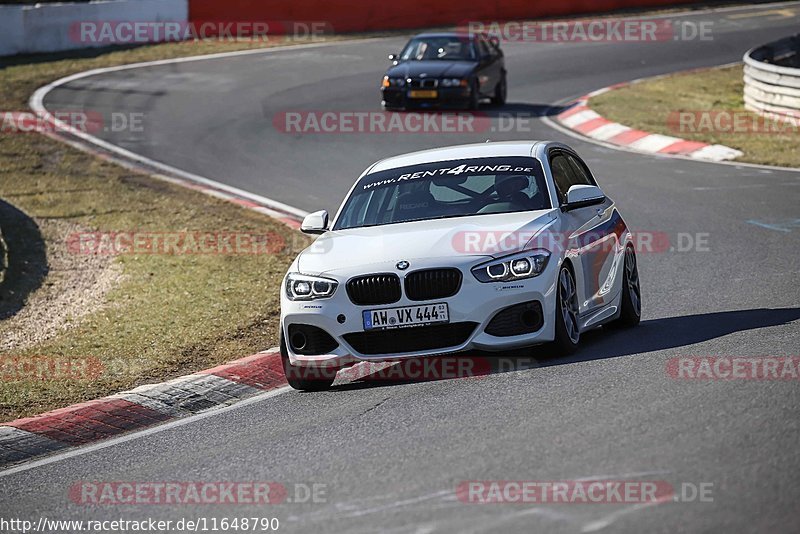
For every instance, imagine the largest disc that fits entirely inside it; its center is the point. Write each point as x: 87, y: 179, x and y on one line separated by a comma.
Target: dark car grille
x: 525, y: 318
x: 404, y: 340
x: 374, y: 289
x: 424, y: 83
x: 433, y: 284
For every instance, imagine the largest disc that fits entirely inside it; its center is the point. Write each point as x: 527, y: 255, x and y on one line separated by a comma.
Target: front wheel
x: 568, y: 334
x: 306, y: 378
x: 631, y: 304
x: 474, y: 97
x: 500, y: 92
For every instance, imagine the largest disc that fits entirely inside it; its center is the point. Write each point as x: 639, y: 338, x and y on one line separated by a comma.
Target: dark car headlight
x: 393, y: 82
x: 515, y: 267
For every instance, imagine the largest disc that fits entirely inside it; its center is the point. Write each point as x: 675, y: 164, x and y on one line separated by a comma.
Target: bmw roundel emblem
x: 402, y: 265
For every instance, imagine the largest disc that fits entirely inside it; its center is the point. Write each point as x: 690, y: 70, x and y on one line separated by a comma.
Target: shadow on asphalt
x: 649, y: 336
x: 521, y: 110
x: 23, y: 259
x: 518, y: 110
x: 675, y: 332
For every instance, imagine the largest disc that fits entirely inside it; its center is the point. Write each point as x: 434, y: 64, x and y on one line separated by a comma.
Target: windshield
x: 433, y: 48
x: 446, y: 189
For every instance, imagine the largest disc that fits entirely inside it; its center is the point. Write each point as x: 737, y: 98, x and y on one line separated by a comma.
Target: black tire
x: 303, y: 378
x: 631, y: 305
x: 500, y: 92
x: 474, y: 97
x: 568, y: 334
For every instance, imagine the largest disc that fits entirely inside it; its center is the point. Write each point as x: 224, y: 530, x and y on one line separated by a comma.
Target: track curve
x: 392, y: 455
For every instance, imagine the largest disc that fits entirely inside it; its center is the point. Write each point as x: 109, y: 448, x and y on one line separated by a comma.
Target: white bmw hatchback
x: 492, y: 247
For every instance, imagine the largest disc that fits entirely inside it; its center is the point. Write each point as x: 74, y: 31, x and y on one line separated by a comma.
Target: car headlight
x: 516, y: 267
x: 393, y: 82
x: 305, y: 287
x: 453, y: 82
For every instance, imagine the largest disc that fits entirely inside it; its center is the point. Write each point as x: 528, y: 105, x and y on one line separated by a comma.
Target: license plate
x: 406, y: 317
x: 423, y: 94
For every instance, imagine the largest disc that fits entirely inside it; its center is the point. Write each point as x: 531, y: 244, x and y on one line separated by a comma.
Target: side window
x: 494, y: 47
x: 489, y: 47
x: 359, y: 211
x: 581, y: 172
x: 562, y: 176
x: 483, y: 49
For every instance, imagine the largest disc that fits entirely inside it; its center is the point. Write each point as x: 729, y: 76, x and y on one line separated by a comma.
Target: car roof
x: 464, y: 35
x: 476, y: 150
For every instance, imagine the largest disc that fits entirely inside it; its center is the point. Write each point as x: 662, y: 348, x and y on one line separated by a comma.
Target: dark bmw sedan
x: 445, y: 71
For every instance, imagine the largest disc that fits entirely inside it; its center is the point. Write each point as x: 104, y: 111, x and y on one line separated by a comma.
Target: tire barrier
x: 772, y: 79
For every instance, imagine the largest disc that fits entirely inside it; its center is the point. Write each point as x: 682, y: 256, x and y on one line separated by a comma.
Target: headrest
x: 507, y: 185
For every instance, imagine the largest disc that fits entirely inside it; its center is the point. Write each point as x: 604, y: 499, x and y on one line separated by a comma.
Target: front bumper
x: 447, y: 98
x: 477, y: 303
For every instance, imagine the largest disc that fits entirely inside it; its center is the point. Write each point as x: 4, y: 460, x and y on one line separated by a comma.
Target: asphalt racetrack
x: 391, y: 455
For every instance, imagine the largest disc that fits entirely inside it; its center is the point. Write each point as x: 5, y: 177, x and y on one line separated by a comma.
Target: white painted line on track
x: 654, y: 142
x: 79, y: 451
x: 608, y: 131
x: 36, y: 103
x: 580, y: 118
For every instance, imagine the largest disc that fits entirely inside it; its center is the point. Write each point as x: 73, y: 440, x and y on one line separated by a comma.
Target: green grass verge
x: 648, y: 106
x: 170, y: 314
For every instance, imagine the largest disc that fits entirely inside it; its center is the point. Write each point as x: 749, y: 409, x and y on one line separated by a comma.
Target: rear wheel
x: 500, y: 92
x: 568, y: 333
x: 306, y: 378
x: 631, y: 303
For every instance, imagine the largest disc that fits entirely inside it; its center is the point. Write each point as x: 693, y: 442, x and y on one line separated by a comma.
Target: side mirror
x: 494, y: 40
x: 580, y: 196
x: 393, y: 57
x: 315, y: 223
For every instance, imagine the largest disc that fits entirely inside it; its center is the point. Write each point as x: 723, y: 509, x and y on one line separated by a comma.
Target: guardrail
x: 346, y: 16
x: 51, y: 27
x: 38, y: 28
x: 772, y: 78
